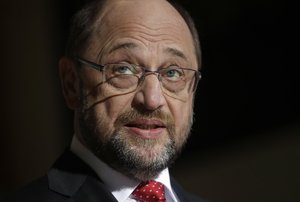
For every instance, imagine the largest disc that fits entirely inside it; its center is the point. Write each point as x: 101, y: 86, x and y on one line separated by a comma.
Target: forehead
x: 149, y: 22
x: 141, y: 10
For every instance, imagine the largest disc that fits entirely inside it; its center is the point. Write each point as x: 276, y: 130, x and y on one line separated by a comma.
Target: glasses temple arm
x: 89, y: 63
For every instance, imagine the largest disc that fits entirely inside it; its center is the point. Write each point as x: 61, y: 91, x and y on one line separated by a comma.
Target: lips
x: 146, y: 128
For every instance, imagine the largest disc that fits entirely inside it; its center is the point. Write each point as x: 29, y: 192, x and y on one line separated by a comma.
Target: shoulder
x: 36, y: 191
x: 184, y: 195
x: 194, y: 198
x: 191, y: 197
x: 69, y: 179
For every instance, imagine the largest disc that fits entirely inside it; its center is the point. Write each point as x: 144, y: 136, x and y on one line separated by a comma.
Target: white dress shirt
x: 120, y: 185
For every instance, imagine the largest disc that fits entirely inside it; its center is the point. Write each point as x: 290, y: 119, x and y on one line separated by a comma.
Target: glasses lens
x: 178, y: 81
x: 123, y: 77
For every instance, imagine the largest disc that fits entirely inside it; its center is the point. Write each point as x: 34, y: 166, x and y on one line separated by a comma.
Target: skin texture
x: 137, y: 133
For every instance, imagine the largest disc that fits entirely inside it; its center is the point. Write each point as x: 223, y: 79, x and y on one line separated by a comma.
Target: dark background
x: 245, y: 140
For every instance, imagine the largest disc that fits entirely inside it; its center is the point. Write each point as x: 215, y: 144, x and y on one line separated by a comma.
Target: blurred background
x: 245, y: 141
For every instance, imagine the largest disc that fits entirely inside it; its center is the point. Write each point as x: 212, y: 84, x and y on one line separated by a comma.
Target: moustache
x: 133, y: 115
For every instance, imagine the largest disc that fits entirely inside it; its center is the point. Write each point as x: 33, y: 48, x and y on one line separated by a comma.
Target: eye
x: 172, y: 73
x: 121, y: 69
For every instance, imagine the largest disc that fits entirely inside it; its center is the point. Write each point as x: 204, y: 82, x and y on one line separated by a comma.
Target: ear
x: 69, y: 81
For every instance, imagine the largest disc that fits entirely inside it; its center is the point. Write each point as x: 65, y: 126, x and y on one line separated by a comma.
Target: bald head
x: 98, y: 15
x: 159, y: 10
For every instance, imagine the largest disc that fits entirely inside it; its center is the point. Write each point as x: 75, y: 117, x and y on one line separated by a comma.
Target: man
x: 130, y: 74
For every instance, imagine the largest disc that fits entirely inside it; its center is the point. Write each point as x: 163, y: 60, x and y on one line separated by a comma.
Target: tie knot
x: 150, y: 191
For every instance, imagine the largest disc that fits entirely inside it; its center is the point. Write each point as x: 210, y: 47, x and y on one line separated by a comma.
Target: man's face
x: 138, y: 133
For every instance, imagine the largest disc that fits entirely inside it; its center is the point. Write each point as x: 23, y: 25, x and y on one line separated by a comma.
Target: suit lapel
x: 181, y: 194
x: 73, y: 179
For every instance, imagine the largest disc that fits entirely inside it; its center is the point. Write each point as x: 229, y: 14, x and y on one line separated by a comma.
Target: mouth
x: 146, y: 128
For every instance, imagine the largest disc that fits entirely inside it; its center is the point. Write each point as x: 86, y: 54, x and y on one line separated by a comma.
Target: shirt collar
x: 120, y: 185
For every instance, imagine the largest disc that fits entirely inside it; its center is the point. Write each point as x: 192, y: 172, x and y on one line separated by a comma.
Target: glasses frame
x: 100, y: 68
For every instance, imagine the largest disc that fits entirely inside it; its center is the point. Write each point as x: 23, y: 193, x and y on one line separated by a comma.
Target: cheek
x: 182, y: 113
x: 110, y: 109
x: 99, y: 97
x: 92, y: 85
x: 90, y: 77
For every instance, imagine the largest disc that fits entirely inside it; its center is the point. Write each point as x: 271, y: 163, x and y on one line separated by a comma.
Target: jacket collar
x: 72, y: 178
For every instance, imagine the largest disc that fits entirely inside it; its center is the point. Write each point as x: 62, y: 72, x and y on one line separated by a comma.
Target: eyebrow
x: 176, y: 52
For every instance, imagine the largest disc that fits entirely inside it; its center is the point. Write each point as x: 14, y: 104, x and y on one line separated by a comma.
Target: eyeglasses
x: 124, y: 77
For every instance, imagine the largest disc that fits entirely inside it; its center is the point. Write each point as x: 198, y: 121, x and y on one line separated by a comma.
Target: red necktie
x: 150, y: 191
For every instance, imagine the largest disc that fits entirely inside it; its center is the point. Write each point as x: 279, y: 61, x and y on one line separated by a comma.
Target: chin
x: 142, y: 159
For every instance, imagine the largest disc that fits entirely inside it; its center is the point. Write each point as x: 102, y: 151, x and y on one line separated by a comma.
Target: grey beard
x: 116, y: 152
x: 114, y: 149
x: 132, y: 164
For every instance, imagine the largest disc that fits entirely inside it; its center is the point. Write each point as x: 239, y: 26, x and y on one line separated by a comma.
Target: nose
x: 149, y: 95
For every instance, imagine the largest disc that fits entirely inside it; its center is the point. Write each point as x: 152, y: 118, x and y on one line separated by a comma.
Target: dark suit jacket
x: 71, y: 180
